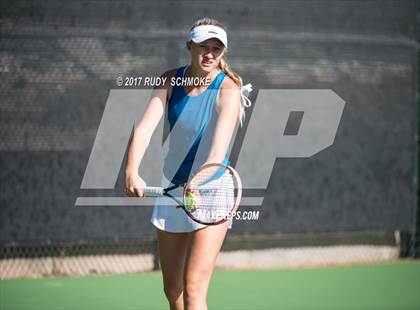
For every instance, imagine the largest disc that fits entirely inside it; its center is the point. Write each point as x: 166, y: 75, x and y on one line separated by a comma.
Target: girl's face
x: 207, y: 54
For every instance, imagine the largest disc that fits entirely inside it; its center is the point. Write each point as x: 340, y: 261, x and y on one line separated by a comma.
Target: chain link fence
x: 238, y: 252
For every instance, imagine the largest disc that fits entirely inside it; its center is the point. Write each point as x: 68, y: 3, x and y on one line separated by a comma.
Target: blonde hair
x: 223, y: 66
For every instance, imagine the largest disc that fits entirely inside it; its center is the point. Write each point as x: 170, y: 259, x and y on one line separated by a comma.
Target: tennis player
x: 188, y: 250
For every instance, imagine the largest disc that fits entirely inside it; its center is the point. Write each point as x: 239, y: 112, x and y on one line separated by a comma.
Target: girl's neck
x: 194, y: 72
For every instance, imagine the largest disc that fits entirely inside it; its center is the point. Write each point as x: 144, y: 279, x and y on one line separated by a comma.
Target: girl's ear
x: 188, y: 45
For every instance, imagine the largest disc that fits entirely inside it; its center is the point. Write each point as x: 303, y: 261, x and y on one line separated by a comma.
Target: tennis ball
x: 190, y: 202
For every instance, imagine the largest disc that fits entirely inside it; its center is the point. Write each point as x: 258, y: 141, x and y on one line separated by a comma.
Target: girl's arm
x: 228, y: 107
x: 142, y: 135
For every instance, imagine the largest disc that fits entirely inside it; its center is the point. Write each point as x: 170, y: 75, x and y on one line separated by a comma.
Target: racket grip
x: 152, y: 191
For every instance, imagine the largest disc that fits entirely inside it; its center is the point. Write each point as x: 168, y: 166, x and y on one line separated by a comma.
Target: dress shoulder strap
x: 218, y: 80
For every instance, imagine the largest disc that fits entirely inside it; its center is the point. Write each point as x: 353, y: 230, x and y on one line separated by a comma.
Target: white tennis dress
x: 166, y: 216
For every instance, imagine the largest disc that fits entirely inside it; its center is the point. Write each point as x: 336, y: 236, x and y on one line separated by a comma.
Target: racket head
x: 213, y: 194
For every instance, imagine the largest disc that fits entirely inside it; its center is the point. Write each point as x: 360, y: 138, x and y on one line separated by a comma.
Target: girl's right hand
x: 134, y: 185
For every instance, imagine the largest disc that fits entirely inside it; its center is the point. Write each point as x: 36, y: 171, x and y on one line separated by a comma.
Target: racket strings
x: 214, y: 194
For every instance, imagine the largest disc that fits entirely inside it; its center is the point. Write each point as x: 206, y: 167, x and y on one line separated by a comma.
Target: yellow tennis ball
x: 190, y: 202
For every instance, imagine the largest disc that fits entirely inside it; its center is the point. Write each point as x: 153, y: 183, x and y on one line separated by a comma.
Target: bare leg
x: 172, y: 251
x: 203, y: 248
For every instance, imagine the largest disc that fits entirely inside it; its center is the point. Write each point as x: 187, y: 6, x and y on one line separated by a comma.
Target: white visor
x: 204, y: 32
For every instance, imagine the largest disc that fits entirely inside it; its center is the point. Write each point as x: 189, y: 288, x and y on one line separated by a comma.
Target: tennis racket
x: 210, y: 197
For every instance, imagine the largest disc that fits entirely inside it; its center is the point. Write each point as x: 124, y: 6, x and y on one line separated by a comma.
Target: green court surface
x: 382, y: 286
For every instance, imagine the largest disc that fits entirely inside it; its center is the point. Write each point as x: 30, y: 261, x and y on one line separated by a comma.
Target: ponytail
x: 245, y: 90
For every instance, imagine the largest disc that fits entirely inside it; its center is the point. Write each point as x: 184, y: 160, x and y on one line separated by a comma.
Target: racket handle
x: 152, y: 191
